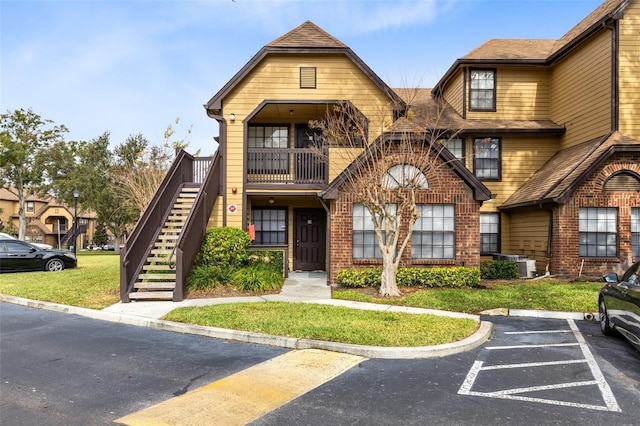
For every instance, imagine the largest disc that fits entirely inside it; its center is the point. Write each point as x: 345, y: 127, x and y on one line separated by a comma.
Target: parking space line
x: 605, y: 389
x: 512, y: 394
x: 534, y: 364
x: 538, y: 332
x: 547, y: 345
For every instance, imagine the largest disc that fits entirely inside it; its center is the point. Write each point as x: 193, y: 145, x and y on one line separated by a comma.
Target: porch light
x: 271, y: 200
x: 232, y: 117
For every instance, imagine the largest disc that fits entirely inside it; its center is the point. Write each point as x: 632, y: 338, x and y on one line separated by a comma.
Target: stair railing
x: 188, y: 243
x: 144, y: 234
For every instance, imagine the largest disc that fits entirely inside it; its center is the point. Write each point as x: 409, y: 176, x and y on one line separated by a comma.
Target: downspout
x: 464, y: 93
x: 222, y: 150
x: 328, y: 236
x: 615, y: 69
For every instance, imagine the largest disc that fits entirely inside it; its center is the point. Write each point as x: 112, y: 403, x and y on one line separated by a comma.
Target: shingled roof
x: 305, y: 38
x: 556, y: 181
x: 522, y: 51
x: 307, y: 34
x: 424, y: 109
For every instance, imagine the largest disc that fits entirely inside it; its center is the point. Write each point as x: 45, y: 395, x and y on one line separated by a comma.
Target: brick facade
x: 565, y: 243
x: 445, y: 187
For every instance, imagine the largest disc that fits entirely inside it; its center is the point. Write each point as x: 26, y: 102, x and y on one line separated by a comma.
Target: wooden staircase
x: 157, y: 281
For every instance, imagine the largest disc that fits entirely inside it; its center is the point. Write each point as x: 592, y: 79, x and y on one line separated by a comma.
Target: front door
x: 310, y: 239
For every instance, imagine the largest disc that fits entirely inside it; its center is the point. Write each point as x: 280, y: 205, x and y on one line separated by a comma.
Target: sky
x: 136, y: 66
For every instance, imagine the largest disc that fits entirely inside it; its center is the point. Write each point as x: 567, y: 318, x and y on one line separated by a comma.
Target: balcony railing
x: 280, y: 165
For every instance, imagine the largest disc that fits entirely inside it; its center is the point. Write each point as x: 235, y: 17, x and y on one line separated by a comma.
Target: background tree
x: 25, y: 141
x: 386, y: 175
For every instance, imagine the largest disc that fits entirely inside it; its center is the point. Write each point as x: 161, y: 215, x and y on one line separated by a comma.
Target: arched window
x: 624, y: 181
x: 405, y: 176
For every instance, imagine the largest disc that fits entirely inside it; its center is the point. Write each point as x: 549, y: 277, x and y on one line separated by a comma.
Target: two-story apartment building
x: 48, y: 221
x: 543, y: 157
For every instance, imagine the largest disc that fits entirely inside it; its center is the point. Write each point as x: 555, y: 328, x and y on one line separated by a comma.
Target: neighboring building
x: 546, y: 133
x: 48, y: 221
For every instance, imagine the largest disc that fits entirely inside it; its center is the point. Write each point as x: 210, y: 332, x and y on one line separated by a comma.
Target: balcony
x: 299, y: 166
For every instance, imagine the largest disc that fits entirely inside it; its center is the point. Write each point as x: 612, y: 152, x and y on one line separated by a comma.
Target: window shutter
x: 307, y: 77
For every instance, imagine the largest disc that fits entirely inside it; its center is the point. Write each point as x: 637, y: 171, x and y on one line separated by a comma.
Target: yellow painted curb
x: 248, y: 394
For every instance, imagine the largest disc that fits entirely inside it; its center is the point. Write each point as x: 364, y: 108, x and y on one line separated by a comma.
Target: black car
x: 16, y: 256
x: 619, y: 305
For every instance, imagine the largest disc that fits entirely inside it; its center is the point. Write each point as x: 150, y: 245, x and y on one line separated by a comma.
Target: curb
x: 481, y: 335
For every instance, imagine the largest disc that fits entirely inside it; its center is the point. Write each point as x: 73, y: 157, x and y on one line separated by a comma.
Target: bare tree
x: 387, y: 174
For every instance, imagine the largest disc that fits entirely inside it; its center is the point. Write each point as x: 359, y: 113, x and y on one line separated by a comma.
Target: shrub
x: 224, y: 246
x: 357, y: 278
x: 257, y: 278
x: 498, y: 270
x: 438, y: 277
x: 273, y: 259
x: 206, y: 277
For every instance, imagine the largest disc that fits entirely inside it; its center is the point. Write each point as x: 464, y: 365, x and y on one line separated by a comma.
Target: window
x: 307, y: 77
x: 268, y: 160
x: 30, y: 206
x: 271, y: 226
x: 635, y: 232
x: 489, y: 233
x: 405, y: 176
x: 456, y: 146
x: 482, y: 90
x: 487, y: 158
x: 598, y: 232
x: 365, y: 241
x: 83, y: 221
x: 434, y: 234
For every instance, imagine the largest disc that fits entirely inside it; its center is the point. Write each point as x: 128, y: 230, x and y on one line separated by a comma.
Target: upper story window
x: 270, y: 136
x: 31, y: 206
x: 487, y: 158
x: 598, y: 229
x: 482, y: 90
x: 456, y: 146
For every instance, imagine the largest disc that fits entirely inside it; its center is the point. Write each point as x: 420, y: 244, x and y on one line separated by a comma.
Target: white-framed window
x: 489, y: 233
x: 482, y: 90
x: 31, y: 206
x: 487, y: 158
x: 365, y: 241
x: 598, y: 229
x: 434, y: 233
x: 635, y: 232
x: 270, y: 225
x: 405, y: 176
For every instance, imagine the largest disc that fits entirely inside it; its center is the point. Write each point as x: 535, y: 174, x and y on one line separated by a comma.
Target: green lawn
x: 330, y: 323
x: 547, y: 294
x: 95, y: 284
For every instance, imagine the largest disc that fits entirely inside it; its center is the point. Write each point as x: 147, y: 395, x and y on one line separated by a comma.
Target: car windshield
x: 632, y: 275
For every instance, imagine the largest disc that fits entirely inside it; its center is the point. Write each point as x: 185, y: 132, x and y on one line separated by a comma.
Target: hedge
x: 412, y: 277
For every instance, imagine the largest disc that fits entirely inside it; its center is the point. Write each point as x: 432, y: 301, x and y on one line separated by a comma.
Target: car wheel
x: 54, y: 265
x: 605, y: 325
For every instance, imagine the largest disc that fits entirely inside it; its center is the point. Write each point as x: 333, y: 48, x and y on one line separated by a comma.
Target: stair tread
x: 168, y: 285
x: 148, y: 276
x: 163, y: 295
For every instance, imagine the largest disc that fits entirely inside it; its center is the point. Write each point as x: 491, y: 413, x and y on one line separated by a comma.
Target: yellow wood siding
x: 529, y: 235
x: 521, y: 158
x: 629, y: 71
x: 521, y: 94
x: 453, y: 93
x: 581, y: 92
x: 277, y: 77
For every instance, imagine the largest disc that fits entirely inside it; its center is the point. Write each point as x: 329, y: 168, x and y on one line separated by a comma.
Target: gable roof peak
x: 307, y: 35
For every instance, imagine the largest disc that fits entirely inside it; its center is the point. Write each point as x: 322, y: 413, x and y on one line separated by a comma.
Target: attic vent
x: 622, y: 182
x: 307, y: 77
